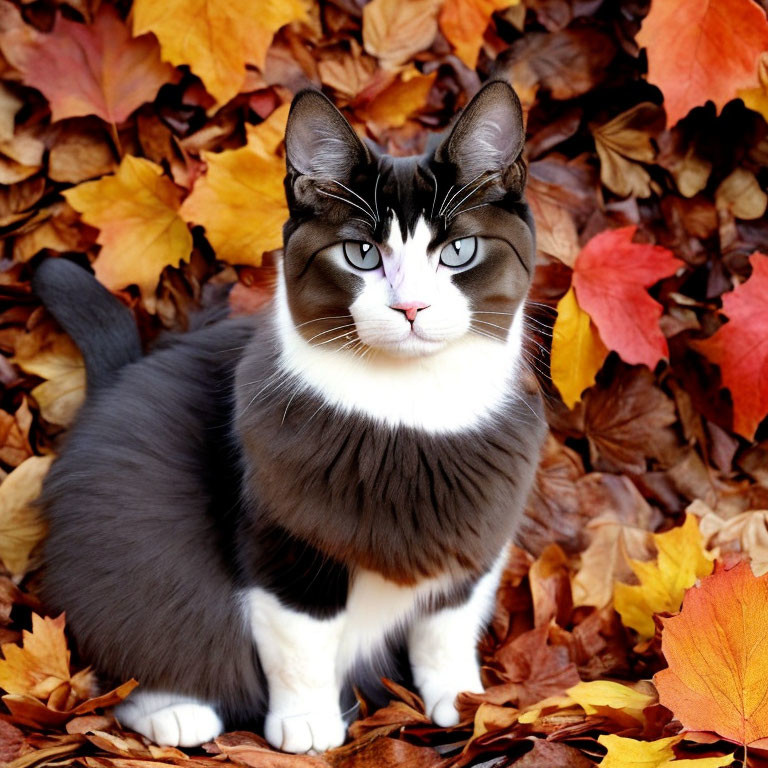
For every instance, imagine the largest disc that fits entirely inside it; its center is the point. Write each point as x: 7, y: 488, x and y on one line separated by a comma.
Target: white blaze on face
x: 410, y: 274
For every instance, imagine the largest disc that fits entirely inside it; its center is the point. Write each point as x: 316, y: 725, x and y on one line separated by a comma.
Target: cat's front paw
x: 305, y: 732
x: 440, y: 692
x: 183, y: 724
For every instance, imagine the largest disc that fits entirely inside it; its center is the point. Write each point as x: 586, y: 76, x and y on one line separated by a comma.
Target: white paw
x: 177, y: 725
x: 440, y: 696
x: 305, y: 732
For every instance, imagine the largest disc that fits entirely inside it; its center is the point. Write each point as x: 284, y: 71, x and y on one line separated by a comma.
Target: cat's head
x: 406, y: 256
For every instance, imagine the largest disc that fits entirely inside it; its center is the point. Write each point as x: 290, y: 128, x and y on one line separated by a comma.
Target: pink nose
x: 410, y: 308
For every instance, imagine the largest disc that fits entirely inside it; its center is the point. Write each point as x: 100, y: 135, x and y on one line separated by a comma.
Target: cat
x: 244, y: 518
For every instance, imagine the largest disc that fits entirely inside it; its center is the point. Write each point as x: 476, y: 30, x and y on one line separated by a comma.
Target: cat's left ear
x: 487, y: 137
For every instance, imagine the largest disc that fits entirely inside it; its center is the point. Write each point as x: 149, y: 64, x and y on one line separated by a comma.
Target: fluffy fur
x: 250, y: 516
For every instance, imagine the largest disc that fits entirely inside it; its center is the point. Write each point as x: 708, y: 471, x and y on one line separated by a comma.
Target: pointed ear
x: 488, y: 136
x: 319, y: 142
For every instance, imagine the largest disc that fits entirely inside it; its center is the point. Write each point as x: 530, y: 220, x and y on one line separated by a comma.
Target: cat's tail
x: 102, y: 327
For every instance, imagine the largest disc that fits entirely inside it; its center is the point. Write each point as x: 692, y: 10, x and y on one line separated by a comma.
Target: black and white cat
x: 243, y: 518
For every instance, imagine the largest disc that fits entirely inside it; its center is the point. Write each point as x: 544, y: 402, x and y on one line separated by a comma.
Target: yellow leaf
x: 268, y: 135
x: 21, y: 527
x: 42, y: 665
x: 396, y: 103
x: 464, y: 22
x: 216, y: 38
x: 241, y: 203
x: 141, y: 232
x: 630, y: 753
x: 394, y: 30
x: 577, y: 350
x: 680, y: 562
x: 593, y: 696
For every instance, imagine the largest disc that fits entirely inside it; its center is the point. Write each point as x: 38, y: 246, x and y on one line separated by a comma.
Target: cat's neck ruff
x: 451, y: 391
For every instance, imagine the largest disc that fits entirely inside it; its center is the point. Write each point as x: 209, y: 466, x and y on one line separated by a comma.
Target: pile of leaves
x: 145, y: 139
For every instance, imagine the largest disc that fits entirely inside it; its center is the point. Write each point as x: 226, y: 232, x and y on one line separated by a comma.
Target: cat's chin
x: 412, y: 346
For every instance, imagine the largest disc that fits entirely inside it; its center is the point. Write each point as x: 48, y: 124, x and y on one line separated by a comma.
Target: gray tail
x: 102, y: 327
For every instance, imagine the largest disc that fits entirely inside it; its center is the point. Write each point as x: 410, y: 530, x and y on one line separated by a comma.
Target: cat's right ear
x: 319, y: 142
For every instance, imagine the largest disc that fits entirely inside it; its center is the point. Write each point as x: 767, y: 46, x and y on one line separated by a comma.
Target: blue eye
x: 459, y: 253
x: 362, y: 255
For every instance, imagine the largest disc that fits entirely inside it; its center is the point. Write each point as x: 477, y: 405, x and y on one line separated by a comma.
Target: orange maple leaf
x: 717, y: 651
x: 740, y: 348
x: 95, y: 69
x: 41, y: 665
x: 699, y: 51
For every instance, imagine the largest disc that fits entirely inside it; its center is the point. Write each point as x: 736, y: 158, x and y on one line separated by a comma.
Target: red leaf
x: 740, y: 348
x: 610, y: 277
x: 702, y: 50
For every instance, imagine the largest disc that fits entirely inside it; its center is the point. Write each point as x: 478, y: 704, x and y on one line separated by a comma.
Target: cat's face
x: 406, y: 256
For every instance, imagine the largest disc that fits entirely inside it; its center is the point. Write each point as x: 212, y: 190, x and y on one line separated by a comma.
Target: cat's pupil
x: 366, y: 247
x: 457, y: 245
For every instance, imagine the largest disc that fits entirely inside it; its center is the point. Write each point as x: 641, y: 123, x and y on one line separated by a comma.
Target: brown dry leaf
x: 628, y: 421
x: 746, y: 533
x: 41, y: 665
x: 80, y: 150
x: 741, y: 194
x: 393, y: 31
x: 689, y: 170
x: 57, y: 230
x: 623, y: 143
x: 14, y: 435
x: 347, y: 74
x: 550, y: 583
x: 17, y: 200
x: 21, y: 527
x: 551, y: 754
x: 249, y: 749
x: 606, y: 560
x: 396, y: 103
x: 10, y: 104
x: 59, y: 361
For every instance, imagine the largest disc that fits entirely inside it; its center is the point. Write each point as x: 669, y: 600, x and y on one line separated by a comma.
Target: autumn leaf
x: 681, y: 560
x: 216, y: 38
x: 630, y: 753
x: 717, y: 652
x: 140, y: 231
x: 702, y: 51
x: 577, y: 351
x: 394, y: 31
x: 95, y: 69
x: 463, y: 22
x: 21, y: 526
x: 240, y: 201
x: 740, y: 348
x: 396, y: 103
x: 610, y: 276
x: 41, y: 665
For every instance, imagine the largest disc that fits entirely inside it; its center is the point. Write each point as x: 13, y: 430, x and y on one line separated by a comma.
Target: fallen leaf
x: 396, y: 103
x: 14, y: 435
x: 741, y: 194
x: 41, y: 665
x: 463, y: 23
x: 746, y: 533
x: 394, y: 31
x: 681, y: 560
x: 597, y: 696
x: 630, y: 753
x: 80, y: 151
x: 702, y: 51
x: 623, y: 143
x: 717, y: 652
x: 140, y: 230
x: 95, y: 69
x: 740, y: 348
x: 577, y: 351
x: 241, y: 203
x: 216, y: 38
x: 550, y: 585
x: 610, y: 277
x: 550, y: 753
x: 21, y: 526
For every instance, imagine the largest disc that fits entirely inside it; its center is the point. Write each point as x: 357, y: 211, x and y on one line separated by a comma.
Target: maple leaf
x: 41, y: 665
x: 610, y: 276
x: 216, y: 38
x: 740, y: 348
x: 577, y: 350
x: 463, y: 22
x: 702, y: 51
x: 396, y: 103
x: 681, y: 560
x: 630, y: 753
x: 394, y: 31
x: 21, y: 526
x: 717, y: 652
x: 140, y: 231
x: 240, y: 201
x: 597, y: 696
x: 95, y: 69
